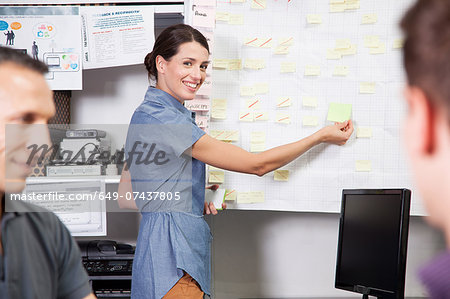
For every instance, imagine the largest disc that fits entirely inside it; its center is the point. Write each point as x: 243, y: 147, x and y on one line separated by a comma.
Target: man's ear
x: 160, y: 64
x: 421, y: 117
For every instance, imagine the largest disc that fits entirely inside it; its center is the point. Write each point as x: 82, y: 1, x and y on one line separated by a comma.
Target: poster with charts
x: 283, y: 69
x: 116, y: 35
x: 50, y: 34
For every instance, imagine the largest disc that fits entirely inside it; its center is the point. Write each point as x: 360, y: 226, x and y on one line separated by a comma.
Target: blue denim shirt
x: 169, y: 189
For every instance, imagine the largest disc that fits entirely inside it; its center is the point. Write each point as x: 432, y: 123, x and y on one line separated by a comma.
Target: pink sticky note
x: 204, y: 16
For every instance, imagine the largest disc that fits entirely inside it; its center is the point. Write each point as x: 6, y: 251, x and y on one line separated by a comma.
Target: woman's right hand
x: 338, y: 133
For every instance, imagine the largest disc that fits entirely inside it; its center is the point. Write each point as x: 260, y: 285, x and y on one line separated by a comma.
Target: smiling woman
x: 172, y: 258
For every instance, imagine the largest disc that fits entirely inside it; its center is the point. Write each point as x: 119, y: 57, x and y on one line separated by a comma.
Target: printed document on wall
x: 50, y: 34
x: 116, y: 35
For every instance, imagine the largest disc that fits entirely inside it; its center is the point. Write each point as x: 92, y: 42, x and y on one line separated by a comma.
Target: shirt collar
x: 161, y: 97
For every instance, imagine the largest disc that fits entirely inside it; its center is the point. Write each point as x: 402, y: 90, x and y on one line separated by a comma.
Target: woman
x: 172, y: 257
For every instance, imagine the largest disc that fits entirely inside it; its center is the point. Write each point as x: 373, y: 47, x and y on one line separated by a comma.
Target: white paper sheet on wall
x: 116, y: 35
x: 317, y: 178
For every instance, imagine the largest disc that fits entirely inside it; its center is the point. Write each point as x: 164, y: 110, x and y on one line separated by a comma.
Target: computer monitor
x: 373, y: 237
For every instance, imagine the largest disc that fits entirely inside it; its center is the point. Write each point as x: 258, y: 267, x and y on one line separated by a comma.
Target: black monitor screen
x: 372, y: 241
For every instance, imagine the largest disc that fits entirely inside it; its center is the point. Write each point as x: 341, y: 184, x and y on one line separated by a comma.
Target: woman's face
x: 184, y: 73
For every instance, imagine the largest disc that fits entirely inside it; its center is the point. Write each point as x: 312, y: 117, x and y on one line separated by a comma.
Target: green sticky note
x: 339, y: 112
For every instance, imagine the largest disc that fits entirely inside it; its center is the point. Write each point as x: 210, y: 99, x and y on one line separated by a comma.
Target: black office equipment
x: 109, y: 265
x: 373, y: 237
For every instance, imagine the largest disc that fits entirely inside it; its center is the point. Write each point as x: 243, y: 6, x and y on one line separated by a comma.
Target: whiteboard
x: 317, y: 178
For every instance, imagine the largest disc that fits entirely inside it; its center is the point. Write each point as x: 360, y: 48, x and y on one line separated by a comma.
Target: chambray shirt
x: 169, y: 189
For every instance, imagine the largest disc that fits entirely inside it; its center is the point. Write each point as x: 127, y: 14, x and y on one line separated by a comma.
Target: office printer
x: 109, y: 265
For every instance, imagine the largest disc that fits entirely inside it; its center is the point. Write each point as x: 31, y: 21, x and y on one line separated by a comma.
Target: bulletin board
x: 278, y: 66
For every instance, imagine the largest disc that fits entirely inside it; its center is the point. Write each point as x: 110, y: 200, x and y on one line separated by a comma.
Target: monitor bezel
x: 403, y: 244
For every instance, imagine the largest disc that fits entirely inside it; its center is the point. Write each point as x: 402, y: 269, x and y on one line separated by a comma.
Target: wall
x: 255, y: 253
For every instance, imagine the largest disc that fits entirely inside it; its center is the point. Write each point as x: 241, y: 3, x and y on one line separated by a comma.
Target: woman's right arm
x: 125, y: 191
x: 234, y: 158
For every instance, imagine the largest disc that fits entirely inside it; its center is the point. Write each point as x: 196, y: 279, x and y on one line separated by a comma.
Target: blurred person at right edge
x: 427, y: 126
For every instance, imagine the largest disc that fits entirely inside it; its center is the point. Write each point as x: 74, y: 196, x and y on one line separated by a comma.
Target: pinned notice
x: 216, y: 176
x: 250, y: 197
x: 283, y: 118
x: 339, y: 112
x: 371, y: 18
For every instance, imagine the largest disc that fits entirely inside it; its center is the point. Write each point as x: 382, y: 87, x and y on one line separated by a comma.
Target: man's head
x: 427, y: 128
x: 25, y: 100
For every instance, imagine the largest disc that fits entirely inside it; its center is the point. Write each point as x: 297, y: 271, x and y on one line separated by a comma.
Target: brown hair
x: 20, y: 58
x: 168, y: 43
x: 426, y: 52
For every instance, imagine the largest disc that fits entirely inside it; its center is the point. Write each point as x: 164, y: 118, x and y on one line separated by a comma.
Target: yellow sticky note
x: 281, y: 50
x: 254, y: 64
x: 259, y: 4
x: 284, y: 102
x: 261, y: 115
x: 343, y: 44
x: 218, y: 113
x: 370, y: 18
x: 288, y: 67
x: 310, y: 121
x: 250, y: 197
x: 283, y: 118
x: 281, y: 175
x: 309, y: 101
x: 258, y: 136
x: 349, y: 51
x: 261, y: 88
x: 363, y: 132
x: 340, y: 70
x: 231, y: 135
x: 224, y: 135
x: 371, y: 41
x: 216, y: 176
x: 230, y: 195
x: 286, y: 41
x: 381, y: 49
x: 367, y: 87
x: 266, y: 42
x: 236, y: 19
x: 339, y: 112
x: 246, y: 116
x: 234, y: 64
x: 363, y: 165
x: 314, y: 19
x: 312, y: 70
x: 222, y: 16
x: 337, y: 7
x: 257, y: 196
x: 398, y: 43
x: 259, y: 42
x: 219, y: 108
x: 351, y: 5
x: 220, y: 63
x: 333, y: 54
x: 247, y: 91
x: 252, y: 104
